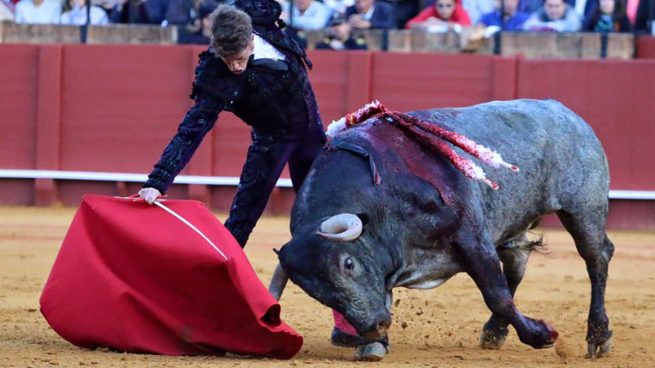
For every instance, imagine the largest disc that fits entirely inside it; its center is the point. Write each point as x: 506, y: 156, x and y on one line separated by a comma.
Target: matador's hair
x: 231, y: 30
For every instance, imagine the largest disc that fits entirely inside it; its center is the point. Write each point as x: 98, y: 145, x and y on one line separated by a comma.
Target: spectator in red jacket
x: 447, y: 13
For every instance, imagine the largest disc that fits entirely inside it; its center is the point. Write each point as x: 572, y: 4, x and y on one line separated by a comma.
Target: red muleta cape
x: 133, y: 277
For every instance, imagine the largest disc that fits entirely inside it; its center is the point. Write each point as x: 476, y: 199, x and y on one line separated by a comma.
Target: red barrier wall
x: 645, y: 48
x: 18, y: 91
x: 420, y: 81
x: 612, y: 96
x: 113, y: 108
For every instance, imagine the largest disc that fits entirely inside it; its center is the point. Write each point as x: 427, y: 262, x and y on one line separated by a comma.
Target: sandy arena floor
x: 435, y: 328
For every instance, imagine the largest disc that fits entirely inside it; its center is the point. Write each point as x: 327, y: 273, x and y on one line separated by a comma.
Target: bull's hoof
x: 491, y: 340
x: 373, y: 352
x: 595, y: 350
x: 540, y: 336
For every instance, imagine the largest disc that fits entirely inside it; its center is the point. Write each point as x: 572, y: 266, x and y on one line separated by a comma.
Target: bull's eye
x: 349, y: 264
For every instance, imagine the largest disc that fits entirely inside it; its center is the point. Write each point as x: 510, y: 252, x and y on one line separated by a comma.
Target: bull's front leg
x: 481, y: 262
x: 514, y: 257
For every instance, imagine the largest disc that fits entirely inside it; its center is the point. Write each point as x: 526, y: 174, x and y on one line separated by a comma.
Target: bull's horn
x: 341, y: 227
x: 278, y: 282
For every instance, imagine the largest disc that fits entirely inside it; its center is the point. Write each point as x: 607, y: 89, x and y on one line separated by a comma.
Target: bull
x: 382, y: 208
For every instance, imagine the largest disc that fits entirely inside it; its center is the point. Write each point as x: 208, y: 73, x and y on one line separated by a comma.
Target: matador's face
x: 238, y: 62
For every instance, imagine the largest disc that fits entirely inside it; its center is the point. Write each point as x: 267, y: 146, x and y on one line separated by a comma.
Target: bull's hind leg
x: 596, y: 249
x: 514, y: 257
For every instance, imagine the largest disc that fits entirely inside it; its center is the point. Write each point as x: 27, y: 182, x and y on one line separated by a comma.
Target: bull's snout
x: 378, y: 329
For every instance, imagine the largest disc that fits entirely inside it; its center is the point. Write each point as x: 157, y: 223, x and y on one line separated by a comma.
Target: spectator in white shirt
x: 75, y: 14
x: 38, y: 11
x: 338, y: 6
x: 476, y: 8
x: 307, y: 15
x: 7, y: 10
x: 555, y: 15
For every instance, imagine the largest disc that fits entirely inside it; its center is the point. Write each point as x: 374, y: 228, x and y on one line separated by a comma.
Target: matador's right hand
x: 149, y: 195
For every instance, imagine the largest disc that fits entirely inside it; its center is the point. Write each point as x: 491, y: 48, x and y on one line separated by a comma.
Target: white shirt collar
x: 264, y: 50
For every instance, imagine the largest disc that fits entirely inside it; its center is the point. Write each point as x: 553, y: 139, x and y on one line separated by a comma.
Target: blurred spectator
x: 307, y: 15
x: 529, y: 6
x: 645, y: 16
x: 187, y: 12
x: 555, y: 15
x: 512, y: 19
x: 38, y: 11
x: 130, y: 11
x: 370, y: 14
x: 106, y: 5
x: 476, y: 8
x: 340, y: 37
x: 7, y: 10
x: 443, y: 16
x: 207, y: 19
x: 75, y: 14
x: 157, y: 10
x: 583, y: 7
x: 338, y: 6
x: 608, y: 17
x: 404, y: 10
x: 631, y: 10
x: 196, y: 29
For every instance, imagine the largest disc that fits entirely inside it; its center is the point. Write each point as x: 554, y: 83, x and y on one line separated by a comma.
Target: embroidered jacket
x: 276, y: 103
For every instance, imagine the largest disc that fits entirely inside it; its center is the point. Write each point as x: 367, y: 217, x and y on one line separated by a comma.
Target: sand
x: 433, y: 328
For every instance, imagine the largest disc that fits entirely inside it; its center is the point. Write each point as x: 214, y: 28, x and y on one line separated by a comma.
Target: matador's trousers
x: 264, y: 163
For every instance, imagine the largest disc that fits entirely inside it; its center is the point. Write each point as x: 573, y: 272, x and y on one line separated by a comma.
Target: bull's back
x: 561, y: 161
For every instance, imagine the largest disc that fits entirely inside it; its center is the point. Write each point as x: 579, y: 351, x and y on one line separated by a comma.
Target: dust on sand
x: 434, y: 328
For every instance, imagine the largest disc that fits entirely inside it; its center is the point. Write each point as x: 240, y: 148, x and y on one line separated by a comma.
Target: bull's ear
x: 281, y: 253
x: 292, y: 257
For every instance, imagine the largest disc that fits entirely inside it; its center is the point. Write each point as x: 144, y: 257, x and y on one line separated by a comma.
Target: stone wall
x: 568, y: 45
x: 115, y: 34
x: 527, y: 44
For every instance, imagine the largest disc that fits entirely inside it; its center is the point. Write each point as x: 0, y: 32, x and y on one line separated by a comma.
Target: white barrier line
x: 648, y: 195
x: 187, y: 223
x: 126, y: 177
x: 632, y: 194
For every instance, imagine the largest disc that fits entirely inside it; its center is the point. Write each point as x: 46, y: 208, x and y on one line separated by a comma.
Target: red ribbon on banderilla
x: 433, y: 136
